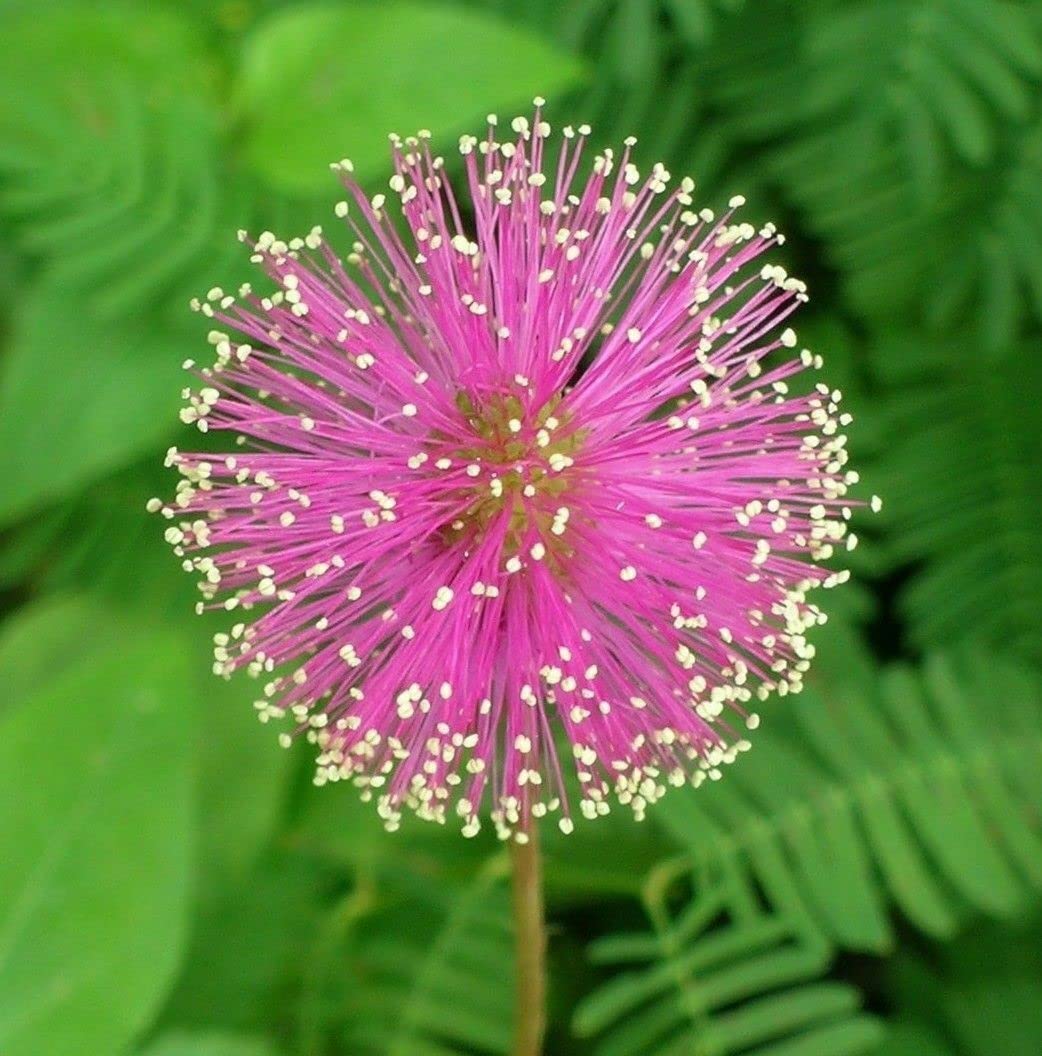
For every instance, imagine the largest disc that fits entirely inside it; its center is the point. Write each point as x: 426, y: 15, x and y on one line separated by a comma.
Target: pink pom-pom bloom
x: 518, y: 491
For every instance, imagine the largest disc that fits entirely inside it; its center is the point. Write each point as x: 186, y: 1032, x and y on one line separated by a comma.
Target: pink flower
x: 516, y: 480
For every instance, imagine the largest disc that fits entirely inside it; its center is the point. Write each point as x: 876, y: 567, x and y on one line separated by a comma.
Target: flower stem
x: 530, y: 933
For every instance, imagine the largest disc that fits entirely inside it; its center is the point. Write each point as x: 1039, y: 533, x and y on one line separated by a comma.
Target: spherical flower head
x: 519, y: 492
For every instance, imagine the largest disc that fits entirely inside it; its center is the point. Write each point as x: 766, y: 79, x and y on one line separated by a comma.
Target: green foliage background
x: 868, y: 880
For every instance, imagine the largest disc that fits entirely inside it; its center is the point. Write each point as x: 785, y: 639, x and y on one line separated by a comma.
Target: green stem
x: 530, y: 935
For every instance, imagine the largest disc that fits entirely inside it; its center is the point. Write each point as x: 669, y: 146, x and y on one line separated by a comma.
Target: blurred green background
x: 868, y: 880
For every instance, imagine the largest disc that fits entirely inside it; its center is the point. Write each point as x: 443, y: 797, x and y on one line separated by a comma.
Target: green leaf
x: 103, y: 540
x: 610, y: 857
x: 885, y: 788
x: 243, y: 774
x: 980, y: 991
x: 44, y: 639
x: 647, y: 84
x: 88, y: 36
x: 434, y: 971
x: 961, y: 491
x: 109, y: 126
x: 913, y: 1039
x: 907, y: 133
x: 318, y: 82
x: 721, y: 975
x: 79, y: 396
x: 109, y: 545
x: 250, y: 947
x: 207, y: 1045
x: 96, y: 779
x: 336, y: 826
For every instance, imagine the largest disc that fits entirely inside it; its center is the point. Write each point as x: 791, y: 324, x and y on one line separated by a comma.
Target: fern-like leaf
x: 981, y: 991
x: 913, y: 1039
x: 962, y: 493
x: 722, y: 975
x: 649, y: 56
x: 431, y: 974
x: 894, y: 790
x: 990, y: 266
x: 969, y: 252
x: 906, y: 133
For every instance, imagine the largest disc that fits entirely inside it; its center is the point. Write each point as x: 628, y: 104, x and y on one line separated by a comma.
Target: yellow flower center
x: 525, y: 464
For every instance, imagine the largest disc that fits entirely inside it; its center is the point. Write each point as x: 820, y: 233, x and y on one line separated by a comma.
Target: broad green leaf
x: 109, y: 146
x: 318, y: 82
x: 97, y: 829
x: 45, y: 638
x: 243, y: 776
x: 61, y: 43
x: 114, y: 549
x: 248, y: 943
x: 79, y: 396
x: 208, y: 1044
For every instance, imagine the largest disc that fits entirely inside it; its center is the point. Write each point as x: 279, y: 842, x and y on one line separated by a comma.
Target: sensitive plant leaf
x: 955, y: 62
x: 887, y: 775
x: 995, y: 1012
x: 649, y: 84
x: 887, y: 791
x: 694, y: 19
x: 913, y: 1038
x: 967, y: 257
x: 318, y: 82
x: 633, y: 39
x: 719, y: 974
x: 753, y: 73
x: 992, y: 273
x: 981, y: 991
x: 893, y: 152
x: 961, y: 489
x: 433, y: 972
x: 96, y: 777
x: 611, y: 858
x: 118, y: 394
